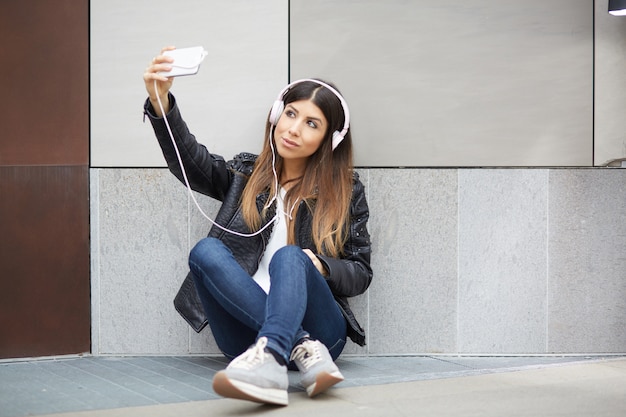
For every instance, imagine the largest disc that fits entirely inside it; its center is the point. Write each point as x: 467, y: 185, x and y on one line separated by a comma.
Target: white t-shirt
x: 277, y: 240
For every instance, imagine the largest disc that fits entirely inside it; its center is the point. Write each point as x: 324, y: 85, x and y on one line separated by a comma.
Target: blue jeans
x: 239, y: 312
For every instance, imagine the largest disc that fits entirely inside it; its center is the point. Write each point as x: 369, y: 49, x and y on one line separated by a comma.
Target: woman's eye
x: 290, y: 113
x: 313, y: 124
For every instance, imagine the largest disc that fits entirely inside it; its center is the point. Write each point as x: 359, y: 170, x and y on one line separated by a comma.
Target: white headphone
x: 279, y: 107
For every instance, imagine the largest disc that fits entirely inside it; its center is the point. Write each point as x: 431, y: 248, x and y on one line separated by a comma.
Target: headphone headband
x: 279, y: 106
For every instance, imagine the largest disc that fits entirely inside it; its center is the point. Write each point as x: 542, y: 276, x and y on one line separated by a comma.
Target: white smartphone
x: 186, y: 61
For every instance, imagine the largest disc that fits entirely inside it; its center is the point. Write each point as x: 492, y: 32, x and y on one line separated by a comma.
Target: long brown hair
x: 326, y: 186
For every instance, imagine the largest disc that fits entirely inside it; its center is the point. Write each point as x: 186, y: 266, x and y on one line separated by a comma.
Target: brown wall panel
x: 44, y: 261
x: 44, y: 178
x: 44, y: 111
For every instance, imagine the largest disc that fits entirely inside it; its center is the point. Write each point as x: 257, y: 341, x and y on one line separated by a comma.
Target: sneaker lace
x: 308, y: 353
x: 251, y: 357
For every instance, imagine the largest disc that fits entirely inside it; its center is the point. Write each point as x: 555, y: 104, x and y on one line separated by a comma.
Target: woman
x: 288, y: 245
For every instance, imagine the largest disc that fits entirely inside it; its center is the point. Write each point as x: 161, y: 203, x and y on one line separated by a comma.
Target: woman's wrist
x: 165, y: 102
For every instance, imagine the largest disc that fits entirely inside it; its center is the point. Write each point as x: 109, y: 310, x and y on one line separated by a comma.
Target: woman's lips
x: 289, y: 143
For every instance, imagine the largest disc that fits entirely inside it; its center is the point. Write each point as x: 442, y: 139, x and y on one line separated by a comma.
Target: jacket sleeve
x: 207, y: 173
x: 351, y: 275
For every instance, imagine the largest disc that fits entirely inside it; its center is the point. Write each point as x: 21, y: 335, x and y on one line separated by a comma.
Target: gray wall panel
x: 140, y: 258
x: 443, y: 83
x: 610, y: 86
x: 502, y: 260
x: 587, y: 247
x: 225, y: 104
x: 412, y: 298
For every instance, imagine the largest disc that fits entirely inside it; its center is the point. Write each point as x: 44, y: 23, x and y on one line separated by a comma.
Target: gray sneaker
x: 255, y: 375
x: 317, y: 369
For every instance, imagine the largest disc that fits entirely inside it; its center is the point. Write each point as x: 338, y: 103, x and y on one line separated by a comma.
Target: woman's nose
x: 294, y: 128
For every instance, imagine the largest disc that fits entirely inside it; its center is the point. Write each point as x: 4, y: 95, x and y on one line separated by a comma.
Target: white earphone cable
x: 193, y: 197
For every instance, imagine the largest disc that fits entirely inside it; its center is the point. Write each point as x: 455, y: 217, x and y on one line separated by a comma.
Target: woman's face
x: 300, y: 130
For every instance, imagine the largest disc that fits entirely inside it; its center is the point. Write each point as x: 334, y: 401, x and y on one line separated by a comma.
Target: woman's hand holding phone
x: 158, y: 84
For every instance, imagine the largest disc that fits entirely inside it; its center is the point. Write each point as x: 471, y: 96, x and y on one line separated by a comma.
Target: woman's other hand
x: 163, y: 84
x: 316, y: 262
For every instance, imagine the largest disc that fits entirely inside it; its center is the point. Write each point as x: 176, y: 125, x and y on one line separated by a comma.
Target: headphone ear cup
x: 337, y: 138
x: 277, y: 110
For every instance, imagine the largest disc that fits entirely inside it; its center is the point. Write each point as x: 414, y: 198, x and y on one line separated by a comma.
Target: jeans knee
x: 201, y: 252
x: 287, y: 254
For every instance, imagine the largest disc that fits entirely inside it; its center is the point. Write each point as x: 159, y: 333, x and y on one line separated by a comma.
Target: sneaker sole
x: 231, y: 388
x: 323, y: 381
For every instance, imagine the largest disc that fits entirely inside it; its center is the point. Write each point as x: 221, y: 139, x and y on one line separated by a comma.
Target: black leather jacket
x: 223, y: 180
